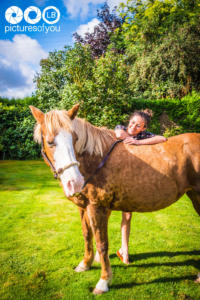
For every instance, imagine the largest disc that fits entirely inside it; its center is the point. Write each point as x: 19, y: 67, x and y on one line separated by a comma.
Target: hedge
x: 171, y: 116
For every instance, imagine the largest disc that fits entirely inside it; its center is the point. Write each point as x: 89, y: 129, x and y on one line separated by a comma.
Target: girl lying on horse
x: 134, y: 134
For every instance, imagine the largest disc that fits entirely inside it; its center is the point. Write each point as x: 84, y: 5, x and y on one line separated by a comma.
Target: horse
x: 133, y: 179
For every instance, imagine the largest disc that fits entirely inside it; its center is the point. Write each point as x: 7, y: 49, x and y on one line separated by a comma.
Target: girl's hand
x: 131, y: 141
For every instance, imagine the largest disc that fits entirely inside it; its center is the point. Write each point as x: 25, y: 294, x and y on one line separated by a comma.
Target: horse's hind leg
x: 86, y: 263
x: 99, y: 222
x: 195, y: 197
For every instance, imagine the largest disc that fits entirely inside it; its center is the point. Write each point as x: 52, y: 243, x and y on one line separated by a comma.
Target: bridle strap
x: 74, y: 163
x: 46, y: 157
x: 102, y: 163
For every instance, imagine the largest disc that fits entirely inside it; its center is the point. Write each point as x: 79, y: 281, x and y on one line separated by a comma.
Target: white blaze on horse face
x: 71, y: 178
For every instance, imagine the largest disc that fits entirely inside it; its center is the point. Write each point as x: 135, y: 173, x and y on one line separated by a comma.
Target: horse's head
x: 54, y: 132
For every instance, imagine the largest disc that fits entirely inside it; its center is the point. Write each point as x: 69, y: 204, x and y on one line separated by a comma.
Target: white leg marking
x: 102, y: 285
x: 81, y: 267
x: 97, y: 257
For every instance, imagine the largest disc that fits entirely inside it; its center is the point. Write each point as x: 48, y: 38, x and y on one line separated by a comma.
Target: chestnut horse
x: 134, y: 178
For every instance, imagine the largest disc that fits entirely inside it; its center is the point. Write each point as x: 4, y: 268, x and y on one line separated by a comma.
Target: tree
x: 169, y: 67
x: 162, y: 47
x: 101, y: 37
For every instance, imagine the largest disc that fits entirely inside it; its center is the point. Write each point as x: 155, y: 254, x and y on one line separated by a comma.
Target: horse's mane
x: 91, y: 139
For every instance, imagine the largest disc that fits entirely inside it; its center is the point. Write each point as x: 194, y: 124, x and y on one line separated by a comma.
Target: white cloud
x: 89, y: 27
x: 75, y: 8
x: 22, y: 48
x: 19, y: 61
x: 16, y: 93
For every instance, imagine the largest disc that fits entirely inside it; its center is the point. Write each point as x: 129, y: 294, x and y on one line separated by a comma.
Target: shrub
x: 16, y: 129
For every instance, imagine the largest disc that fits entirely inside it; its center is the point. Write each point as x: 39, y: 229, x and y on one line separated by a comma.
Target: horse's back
x: 151, y: 177
x: 175, y: 150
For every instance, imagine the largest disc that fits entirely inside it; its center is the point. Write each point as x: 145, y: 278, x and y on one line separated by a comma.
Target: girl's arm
x: 149, y: 141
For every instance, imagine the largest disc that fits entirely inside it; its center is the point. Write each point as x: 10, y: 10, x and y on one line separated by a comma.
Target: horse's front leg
x: 86, y: 263
x: 99, y: 221
x: 97, y: 256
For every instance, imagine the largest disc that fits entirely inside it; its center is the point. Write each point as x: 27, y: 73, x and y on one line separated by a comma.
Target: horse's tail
x: 195, y: 197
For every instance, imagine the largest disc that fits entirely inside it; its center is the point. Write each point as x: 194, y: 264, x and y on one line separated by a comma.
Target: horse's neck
x: 90, y: 161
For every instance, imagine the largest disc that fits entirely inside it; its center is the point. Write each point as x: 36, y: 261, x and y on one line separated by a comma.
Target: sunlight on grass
x: 41, y: 242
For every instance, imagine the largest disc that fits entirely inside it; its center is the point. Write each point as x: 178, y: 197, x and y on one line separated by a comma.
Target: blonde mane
x: 91, y: 139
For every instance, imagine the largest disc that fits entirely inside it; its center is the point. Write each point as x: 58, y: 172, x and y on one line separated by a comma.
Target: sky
x: 30, y: 29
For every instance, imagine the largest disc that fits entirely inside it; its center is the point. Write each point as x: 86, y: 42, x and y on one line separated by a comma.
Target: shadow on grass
x: 147, y: 255
x: 158, y: 280
x: 189, y: 262
x: 134, y: 258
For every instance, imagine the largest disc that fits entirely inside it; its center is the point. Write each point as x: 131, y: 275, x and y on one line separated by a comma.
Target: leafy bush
x: 168, y: 68
x: 16, y: 129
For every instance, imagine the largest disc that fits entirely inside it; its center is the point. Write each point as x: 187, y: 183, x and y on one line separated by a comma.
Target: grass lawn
x: 41, y: 242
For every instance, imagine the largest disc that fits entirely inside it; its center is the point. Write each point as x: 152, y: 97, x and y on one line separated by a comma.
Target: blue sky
x: 27, y: 35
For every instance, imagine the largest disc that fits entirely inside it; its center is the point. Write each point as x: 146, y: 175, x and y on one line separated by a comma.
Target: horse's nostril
x: 70, y: 184
x: 73, y: 186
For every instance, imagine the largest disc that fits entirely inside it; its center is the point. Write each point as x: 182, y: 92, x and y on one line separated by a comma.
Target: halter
x: 75, y: 163
x: 58, y: 172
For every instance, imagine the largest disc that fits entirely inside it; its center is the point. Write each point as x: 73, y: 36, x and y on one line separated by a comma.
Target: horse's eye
x: 51, y: 144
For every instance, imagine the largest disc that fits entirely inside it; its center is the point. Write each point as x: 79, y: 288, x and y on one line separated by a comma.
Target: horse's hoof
x: 81, y: 267
x: 98, y: 292
x: 101, y: 287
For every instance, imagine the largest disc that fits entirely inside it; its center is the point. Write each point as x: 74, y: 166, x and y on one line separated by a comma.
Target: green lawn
x: 41, y: 242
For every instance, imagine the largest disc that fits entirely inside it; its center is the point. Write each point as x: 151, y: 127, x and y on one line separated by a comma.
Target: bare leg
x: 86, y: 263
x: 99, y: 221
x: 125, y: 232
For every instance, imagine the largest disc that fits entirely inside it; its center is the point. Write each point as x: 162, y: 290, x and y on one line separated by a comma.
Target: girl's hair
x: 146, y: 115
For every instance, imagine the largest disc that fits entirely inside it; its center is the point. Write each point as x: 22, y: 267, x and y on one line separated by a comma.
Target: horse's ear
x: 37, y: 113
x: 73, y: 111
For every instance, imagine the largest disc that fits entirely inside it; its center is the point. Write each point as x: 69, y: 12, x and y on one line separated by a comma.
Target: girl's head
x: 139, y: 121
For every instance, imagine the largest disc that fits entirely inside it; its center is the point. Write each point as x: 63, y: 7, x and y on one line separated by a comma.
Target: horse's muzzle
x: 73, y: 186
